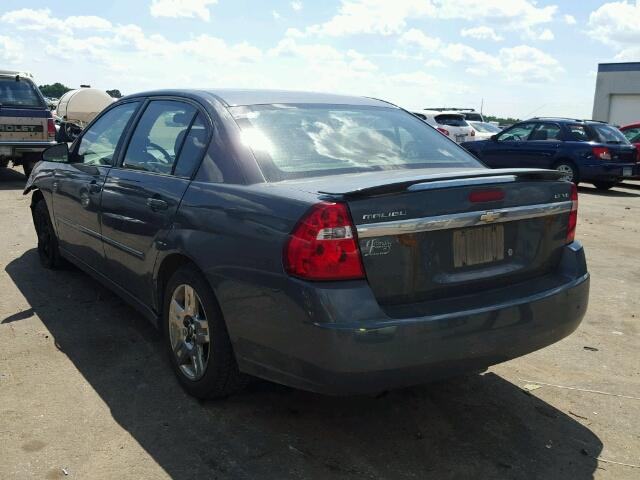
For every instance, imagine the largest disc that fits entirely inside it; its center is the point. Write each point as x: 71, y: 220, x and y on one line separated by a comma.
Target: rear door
x: 541, y: 147
x: 506, y: 150
x: 77, y: 185
x: 142, y: 194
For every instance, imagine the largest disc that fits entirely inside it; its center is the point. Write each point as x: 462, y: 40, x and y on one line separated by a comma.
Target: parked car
x: 632, y: 132
x: 335, y: 244
x: 582, y: 150
x: 484, y: 130
x: 450, y: 124
x: 469, y: 114
x: 26, y: 124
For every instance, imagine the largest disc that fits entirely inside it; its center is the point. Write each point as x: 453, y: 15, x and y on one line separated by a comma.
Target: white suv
x: 451, y: 124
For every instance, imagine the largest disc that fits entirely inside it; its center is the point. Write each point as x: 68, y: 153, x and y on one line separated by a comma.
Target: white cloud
x: 616, y: 24
x: 458, y: 52
x: 182, y: 8
x: 434, y: 63
x: 387, y: 17
x: 546, y: 35
x: 570, y: 20
x: 90, y: 22
x: 297, y: 6
x: 482, y: 33
x: 275, y: 15
x: 42, y: 20
x: 418, y: 38
x: 10, y: 50
x: 316, y: 54
x: 528, y: 64
x: 372, y: 16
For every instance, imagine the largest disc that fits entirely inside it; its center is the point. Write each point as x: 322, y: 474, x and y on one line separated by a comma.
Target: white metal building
x: 617, y: 97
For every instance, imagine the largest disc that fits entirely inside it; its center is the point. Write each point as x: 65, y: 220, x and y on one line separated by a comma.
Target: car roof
x: 564, y: 120
x: 239, y: 97
x: 630, y: 125
x: 11, y: 73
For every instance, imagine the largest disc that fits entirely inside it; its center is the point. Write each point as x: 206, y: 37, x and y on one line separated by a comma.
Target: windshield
x: 632, y: 134
x: 485, y: 127
x: 451, y: 120
x: 476, y: 117
x: 298, y: 141
x: 609, y: 134
x: 21, y: 93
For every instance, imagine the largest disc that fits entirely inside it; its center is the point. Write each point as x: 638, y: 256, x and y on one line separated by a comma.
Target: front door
x: 506, y: 150
x: 141, y: 196
x: 77, y: 185
x: 540, y: 150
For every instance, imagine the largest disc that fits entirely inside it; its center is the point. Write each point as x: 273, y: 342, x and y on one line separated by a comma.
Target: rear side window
x: 21, y: 93
x: 192, y: 149
x: 546, y: 132
x: 580, y: 133
x: 451, y: 120
x: 157, y: 139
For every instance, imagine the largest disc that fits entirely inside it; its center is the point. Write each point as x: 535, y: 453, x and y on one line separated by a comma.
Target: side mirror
x: 494, y: 138
x: 58, y: 153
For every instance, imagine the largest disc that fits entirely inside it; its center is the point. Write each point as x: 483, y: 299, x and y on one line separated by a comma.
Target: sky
x: 517, y: 58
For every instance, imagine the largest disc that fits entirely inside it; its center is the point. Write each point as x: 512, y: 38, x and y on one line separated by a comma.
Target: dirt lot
x: 85, y: 391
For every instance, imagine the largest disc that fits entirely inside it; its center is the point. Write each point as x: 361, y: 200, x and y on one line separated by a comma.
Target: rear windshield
x: 21, y: 93
x: 609, y: 134
x: 451, y: 120
x: 298, y: 141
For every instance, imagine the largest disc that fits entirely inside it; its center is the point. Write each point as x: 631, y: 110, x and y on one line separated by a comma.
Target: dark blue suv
x: 583, y: 150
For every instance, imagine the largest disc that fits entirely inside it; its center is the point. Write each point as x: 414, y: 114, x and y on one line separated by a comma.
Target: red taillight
x: 573, y: 215
x: 486, y: 195
x: 601, y: 153
x: 323, y: 245
x: 51, y: 128
x: 443, y: 131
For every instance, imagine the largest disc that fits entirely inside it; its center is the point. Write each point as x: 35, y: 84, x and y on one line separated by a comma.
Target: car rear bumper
x: 13, y: 148
x: 338, y: 340
x: 609, y: 171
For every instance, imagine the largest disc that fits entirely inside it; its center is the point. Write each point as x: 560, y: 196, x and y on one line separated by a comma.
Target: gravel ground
x: 85, y: 391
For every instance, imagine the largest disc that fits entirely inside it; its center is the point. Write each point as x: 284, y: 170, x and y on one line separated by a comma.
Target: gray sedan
x: 331, y: 243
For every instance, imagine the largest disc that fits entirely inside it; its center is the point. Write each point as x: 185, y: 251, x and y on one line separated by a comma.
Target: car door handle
x: 156, y: 204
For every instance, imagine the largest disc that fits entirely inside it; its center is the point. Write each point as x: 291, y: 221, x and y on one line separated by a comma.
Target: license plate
x: 475, y: 246
x: 627, y: 172
x: 460, y: 138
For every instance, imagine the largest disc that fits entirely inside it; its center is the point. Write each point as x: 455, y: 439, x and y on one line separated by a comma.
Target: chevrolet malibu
x: 335, y: 244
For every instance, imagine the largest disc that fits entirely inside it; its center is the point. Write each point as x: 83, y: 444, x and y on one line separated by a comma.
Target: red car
x: 632, y: 132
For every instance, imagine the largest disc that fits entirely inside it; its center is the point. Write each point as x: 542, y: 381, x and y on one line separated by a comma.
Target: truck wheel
x: 47, y: 239
x: 196, y: 337
x: 604, y: 185
x: 29, y: 161
x: 568, y: 171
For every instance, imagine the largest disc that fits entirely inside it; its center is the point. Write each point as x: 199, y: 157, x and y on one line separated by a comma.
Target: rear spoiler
x: 449, y: 179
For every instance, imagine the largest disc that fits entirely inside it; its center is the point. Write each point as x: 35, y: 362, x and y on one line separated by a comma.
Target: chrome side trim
x: 462, y: 182
x: 462, y: 220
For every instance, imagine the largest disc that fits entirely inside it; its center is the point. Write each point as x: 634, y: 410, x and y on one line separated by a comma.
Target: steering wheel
x: 516, y: 137
x: 168, y: 159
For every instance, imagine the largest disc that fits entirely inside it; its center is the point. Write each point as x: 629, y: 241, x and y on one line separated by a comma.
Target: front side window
x: 99, y: 142
x: 21, y: 93
x: 158, y: 137
x: 517, y: 133
x: 302, y: 140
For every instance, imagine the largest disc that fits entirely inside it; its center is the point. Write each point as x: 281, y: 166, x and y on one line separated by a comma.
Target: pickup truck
x: 26, y: 123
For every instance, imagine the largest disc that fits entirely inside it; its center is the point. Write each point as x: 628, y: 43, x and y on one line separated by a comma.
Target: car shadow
x: 614, y: 192
x: 11, y: 179
x: 480, y: 426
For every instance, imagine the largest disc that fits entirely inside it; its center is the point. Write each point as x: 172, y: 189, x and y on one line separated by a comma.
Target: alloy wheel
x: 189, y: 332
x: 566, y: 171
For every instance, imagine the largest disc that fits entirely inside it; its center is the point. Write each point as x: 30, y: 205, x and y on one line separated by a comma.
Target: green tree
x: 115, y: 93
x: 55, y: 90
x: 501, y: 120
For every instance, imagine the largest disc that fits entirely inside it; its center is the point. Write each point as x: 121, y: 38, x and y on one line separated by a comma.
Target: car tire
x: 569, y: 171
x: 604, y: 185
x: 196, y: 337
x: 48, y: 249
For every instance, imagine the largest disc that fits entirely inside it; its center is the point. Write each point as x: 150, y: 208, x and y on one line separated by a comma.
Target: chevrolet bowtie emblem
x: 489, y: 217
